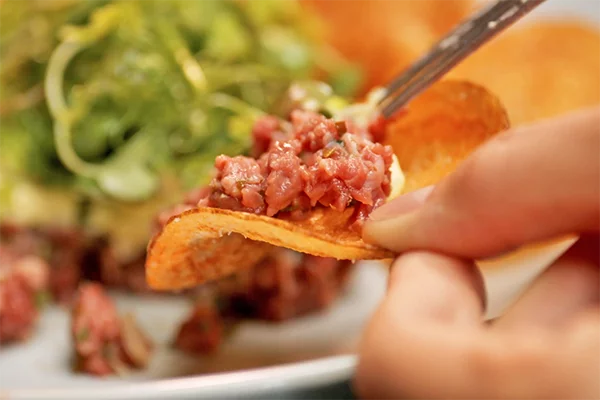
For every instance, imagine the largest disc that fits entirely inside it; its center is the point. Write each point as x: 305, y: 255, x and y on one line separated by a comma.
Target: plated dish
x: 112, y: 136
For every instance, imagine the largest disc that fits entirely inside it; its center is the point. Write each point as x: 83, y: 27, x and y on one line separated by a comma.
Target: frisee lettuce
x: 111, y: 109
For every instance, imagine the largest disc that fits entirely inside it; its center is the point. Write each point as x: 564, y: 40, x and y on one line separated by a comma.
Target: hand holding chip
x: 427, y: 339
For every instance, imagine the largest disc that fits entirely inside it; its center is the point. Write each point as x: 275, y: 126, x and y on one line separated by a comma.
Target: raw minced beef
x: 284, y: 285
x: 307, y: 162
x: 202, y: 331
x: 23, y: 282
x: 74, y: 256
x: 104, y: 342
x: 63, y: 249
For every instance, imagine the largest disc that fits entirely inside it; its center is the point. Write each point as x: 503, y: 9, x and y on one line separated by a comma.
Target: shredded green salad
x: 105, y: 100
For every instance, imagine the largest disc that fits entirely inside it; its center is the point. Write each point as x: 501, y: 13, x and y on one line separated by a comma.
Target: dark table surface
x: 340, y: 391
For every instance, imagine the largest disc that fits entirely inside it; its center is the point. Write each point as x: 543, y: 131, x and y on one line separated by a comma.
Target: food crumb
x: 104, y: 342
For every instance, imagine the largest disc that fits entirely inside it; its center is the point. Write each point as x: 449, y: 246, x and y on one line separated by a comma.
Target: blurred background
x: 126, y: 119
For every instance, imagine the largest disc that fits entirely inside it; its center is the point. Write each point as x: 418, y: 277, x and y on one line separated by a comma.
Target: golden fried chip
x: 438, y: 130
x: 385, y: 36
x: 207, y: 243
x: 187, y: 253
x: 540, y: 70
x: 441, y: 127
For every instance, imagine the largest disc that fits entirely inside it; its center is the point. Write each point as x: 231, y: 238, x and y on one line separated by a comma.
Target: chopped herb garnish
x: 290, y: 208
x: 328, y: 152
x: 41, y: 299
x: 83, y: 334
x: 240, y: 184
x: 107, y: 350
x: 46, y: 250
x: 332, y: 147
x: 326, y: 113
x: 83, y: 210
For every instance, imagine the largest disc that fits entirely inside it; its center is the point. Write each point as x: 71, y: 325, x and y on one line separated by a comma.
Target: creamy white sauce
x: 397, y: 179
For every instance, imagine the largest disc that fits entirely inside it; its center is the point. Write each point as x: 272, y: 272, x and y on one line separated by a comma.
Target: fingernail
x: 402, y: 205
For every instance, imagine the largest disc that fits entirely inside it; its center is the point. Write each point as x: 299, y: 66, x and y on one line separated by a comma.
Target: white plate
x: 271, y: 355
x: 305, y: 353
x: 302, y: 353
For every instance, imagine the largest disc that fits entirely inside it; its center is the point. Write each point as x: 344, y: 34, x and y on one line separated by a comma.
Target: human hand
x: 428, y: 338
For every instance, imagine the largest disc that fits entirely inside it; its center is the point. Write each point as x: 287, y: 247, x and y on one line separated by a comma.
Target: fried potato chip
x: 189, y: 252
x: 385, y: 36
x: 441, y: 127
x: 540, y: 70
x: 207, y: 243
x: 438, y: 130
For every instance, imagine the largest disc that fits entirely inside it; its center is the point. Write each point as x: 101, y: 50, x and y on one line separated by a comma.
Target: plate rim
x: 256, y: 381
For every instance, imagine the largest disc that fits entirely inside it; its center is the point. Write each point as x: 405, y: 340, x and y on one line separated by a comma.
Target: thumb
x: 525, y: 185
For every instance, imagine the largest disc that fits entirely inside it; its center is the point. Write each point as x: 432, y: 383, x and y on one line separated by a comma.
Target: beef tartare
x: 282, y: 286
x: 104, y: 342
x: 23, y: 286
x: 310, y: 161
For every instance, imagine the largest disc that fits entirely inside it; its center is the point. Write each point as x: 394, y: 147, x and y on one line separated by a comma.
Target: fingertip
x: 403, y: 204
x: 394, y: 234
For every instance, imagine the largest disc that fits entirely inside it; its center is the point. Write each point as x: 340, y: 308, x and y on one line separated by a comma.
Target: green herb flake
x: 290, y: 208
x: 41, y: 299
x: 83, y: 334
x: 325, y: 112
x: 329, y: 151
x: 241, y: 184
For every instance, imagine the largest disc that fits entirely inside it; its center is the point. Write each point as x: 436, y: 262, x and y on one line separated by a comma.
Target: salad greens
x: 105, y: 99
